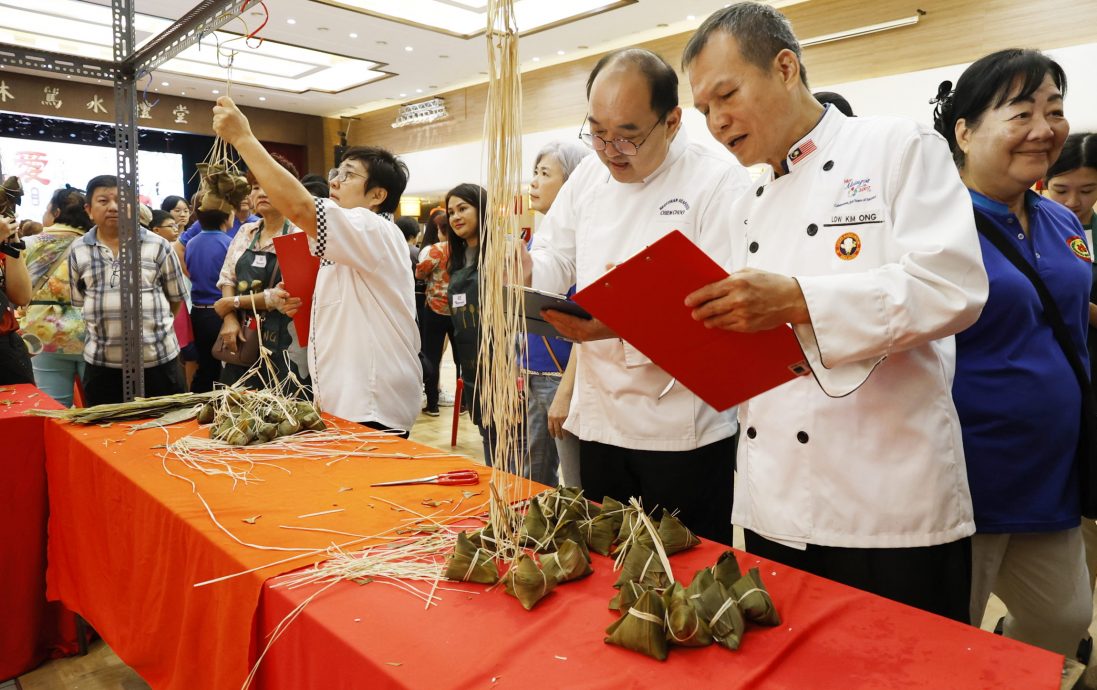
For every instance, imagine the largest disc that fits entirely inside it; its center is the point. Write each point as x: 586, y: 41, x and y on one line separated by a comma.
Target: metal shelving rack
x: 129, y: 62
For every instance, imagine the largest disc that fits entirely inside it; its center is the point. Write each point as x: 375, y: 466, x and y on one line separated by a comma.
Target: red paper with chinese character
x: 299, y: 268
x: 643, y: 301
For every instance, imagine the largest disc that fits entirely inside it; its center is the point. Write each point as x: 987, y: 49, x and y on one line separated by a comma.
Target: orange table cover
x: 31, y: 629
x: 128, y: 542
x: 831, y: 636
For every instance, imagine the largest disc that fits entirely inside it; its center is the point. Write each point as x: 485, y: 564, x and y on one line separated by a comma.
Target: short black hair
x: 170, y: 202
x: 409, y: 226
x: 760, y: 30
x: 836, y: 99
x: 158, y: 218
x: 316, y: 185
x: 100, y: 182
x: 211, y: 220
x: 385, y: 170
x: 662, y: 79
x: 67, y: 204
x: 986, y: 84
x: 1079, y: 151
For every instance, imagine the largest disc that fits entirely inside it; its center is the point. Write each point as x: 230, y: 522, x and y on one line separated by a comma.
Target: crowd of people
x: 937, y: 453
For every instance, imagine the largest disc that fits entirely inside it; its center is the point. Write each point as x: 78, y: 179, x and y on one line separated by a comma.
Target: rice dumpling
x: 469, y: 563
x: 567, y: 563
x: 599, y: 533
x: 755, y: 601
x: 642, y: 628
x: 685, y: 626
x: 614, y: 510
x: 565, y: 531
x: 528, y: 582
x: 534, y: 526
x: 725, y: 620
x: 675, y: 535
x: 644, y: 566
x: 702, y: 579
x: 483, y: 538
x: 726, y: 571
x: 628, y: 595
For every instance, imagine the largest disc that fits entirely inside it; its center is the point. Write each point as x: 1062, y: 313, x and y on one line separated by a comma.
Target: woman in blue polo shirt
x: 1017, y: 396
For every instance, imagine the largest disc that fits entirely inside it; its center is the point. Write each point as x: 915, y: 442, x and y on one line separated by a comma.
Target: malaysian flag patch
x: 802, y: 151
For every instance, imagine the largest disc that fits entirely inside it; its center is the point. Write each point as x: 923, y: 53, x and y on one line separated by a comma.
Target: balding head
x: 661, y: 80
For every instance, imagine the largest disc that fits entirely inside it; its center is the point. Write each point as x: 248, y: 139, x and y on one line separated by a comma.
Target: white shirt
x: 596, y: 221
x: 875, y: 224
x: 363, y: 341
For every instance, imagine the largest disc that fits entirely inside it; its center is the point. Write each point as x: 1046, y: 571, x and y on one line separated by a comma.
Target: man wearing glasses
x: 94, y: 279
x: 641, y: 434
x: 363, y: 341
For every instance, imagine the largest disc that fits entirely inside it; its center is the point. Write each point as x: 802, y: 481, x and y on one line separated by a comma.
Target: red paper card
x: 643, y: 301
x: 299, y: 268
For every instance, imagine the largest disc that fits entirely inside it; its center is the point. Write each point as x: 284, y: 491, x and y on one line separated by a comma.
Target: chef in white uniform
x: 861, y: 235
x: 640, y: 434
x: 363, y: 339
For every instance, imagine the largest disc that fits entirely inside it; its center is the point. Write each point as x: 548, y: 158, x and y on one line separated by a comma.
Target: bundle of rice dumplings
x: 755, y: 600
x: 627, y: 596
x: 527, y: 582
x: 469, y: 563
x: 642, y: 628
x: 222, y: 187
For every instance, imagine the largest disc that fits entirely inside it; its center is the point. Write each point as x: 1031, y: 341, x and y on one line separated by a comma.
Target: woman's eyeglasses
x: 340, y: 175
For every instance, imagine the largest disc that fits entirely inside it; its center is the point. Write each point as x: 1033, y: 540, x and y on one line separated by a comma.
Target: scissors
x: 452, y: 478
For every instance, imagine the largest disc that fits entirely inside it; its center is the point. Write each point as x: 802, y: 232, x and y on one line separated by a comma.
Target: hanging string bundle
x: 502, y: 325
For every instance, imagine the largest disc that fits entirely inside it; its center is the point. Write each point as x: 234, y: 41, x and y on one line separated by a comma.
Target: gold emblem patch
x: 848, y: 246
x: 1078, y: 246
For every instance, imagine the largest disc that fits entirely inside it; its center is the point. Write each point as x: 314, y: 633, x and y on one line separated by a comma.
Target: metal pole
x: 129, y: 258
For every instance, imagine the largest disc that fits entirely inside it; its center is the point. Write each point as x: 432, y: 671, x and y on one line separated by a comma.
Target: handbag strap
x: 1051, y: 310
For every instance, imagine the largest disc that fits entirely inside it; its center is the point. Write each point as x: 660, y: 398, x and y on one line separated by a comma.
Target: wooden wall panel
x: 951, y: 32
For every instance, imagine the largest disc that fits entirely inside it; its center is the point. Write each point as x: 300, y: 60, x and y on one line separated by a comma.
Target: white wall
x: 906, y: 95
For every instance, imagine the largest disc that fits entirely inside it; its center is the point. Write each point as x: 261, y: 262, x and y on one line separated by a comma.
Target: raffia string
x: 728, y: 603
x: 501, y: 324
x: 645, y: 616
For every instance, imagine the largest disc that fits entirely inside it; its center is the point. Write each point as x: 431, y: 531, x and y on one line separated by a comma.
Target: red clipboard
x: 643, y: 301
x: 299, y: 268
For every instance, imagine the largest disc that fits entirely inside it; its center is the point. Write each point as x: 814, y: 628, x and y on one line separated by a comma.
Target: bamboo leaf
x: 251, y: 520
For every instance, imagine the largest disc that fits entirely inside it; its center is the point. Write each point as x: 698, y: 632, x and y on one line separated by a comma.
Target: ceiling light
x: 536, y: 59
x: 182, y: 93
x: 408, y: 48
x: 861, y: 31
x: 403, y: 95
x: 291, y: 20
x: 262, y: 98
x: 418, y: 91
x: 690, y: 17
x: 164, y: 83
x: 559, y: 52
x: 354, y: 35
x: 216, y: 91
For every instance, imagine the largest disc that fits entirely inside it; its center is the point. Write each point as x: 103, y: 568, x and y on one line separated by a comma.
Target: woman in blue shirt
x: 1018, y: 399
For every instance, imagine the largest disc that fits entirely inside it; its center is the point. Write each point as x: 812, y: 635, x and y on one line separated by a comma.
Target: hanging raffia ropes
x: 502, y: 328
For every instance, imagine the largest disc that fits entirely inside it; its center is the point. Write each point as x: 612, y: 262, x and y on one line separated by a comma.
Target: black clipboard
x: 536, y: 300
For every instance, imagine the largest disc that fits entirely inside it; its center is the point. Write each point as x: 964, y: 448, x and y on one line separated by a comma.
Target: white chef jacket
x: 596, y: 221
x: 363, y: 340
x: 874, y: 223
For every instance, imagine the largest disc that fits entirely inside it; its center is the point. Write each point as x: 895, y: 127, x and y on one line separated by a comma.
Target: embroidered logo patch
x: 848, y: 246
x: 674, y: 207
x: 1078, y: 246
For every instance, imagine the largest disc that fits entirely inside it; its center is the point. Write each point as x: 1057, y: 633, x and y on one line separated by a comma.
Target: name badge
x: 459, y: 300
x: 259, y: 261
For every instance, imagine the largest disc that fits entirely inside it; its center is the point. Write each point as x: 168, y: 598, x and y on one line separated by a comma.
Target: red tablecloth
x: 30, y: 628
x: 128, y: 542
x: 831, y: 636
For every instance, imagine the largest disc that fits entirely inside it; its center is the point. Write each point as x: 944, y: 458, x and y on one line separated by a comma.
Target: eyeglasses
x: 340, y: 175
x: 626, y: 147
x: 114, y: 274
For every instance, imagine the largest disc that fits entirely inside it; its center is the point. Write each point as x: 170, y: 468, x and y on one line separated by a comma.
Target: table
x: 127, y: 543
x: 31, y: 630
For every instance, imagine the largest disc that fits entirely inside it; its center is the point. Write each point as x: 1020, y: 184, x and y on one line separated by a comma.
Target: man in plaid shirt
x: 96, y: 286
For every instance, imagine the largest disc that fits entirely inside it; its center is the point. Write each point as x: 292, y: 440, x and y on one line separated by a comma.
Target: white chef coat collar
x: 811, y: 142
